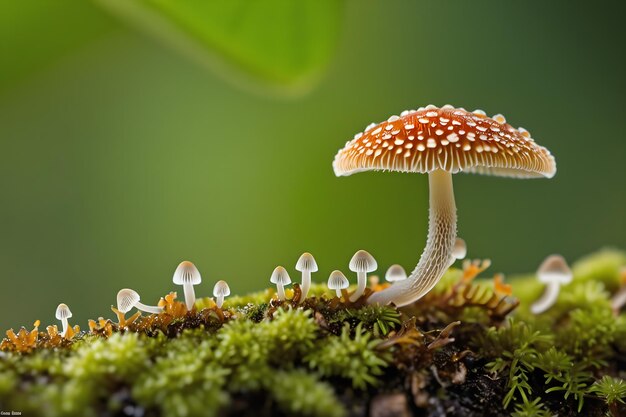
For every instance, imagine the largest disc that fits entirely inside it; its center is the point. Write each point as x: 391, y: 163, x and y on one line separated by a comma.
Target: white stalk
x: 306, y: 284
x: 148, y: 309
x: 190, y: 295
x: 360, y: 288
x: 338, y: 291
x: 65, y: 326
x: 547, y: 300
x: 619, y: 299
x: 438, y: 253
x: 280, y: 288
x: 220, y: 301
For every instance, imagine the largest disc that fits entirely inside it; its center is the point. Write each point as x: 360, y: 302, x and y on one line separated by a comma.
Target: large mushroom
x: 441, y: 142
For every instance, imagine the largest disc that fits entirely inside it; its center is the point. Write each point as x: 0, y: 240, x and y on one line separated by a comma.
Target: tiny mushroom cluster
x: 186, y: 274
x: 436, y: 141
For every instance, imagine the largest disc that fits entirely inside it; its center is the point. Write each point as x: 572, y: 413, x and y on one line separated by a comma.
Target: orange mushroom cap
x: 446, y: 138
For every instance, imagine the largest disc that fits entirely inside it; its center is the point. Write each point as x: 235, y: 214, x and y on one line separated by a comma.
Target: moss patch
x: 469, y: 348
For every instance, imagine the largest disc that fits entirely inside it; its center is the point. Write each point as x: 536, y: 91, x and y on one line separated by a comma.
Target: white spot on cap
x: 499, y: 118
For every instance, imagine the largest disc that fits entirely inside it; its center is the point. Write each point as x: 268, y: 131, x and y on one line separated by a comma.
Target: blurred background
x: 136, y: 134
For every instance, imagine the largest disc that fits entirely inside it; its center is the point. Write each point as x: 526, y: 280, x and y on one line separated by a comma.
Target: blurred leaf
x: 35, y: 33
x: 285, y: 44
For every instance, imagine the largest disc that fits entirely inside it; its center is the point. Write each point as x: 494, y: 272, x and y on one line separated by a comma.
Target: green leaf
x: 284, y: 44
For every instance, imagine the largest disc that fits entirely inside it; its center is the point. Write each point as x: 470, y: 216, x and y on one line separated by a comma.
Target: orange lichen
x: 499, y: 287
x: 122, y: 321
x: 471, y: 269
x: 23, y: 341
x: 101, y: 327
x: 172, y: 307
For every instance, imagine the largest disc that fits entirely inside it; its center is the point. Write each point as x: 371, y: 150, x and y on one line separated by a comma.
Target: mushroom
x: 459, y: 250
x: 220, y: 290
x: 395, y: 273
x: 553, y: 272
x: 127, y: 299
x: 619, y: 299
x: 361, y: 263
x: 306, y: 264
x: 63, y: 313
x: 280, y: 277
x: 187, y: 275
x: 441, y: 142
x: 337, y: 281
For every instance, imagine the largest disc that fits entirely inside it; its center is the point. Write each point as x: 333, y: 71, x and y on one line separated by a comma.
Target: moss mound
x: 469, y: 348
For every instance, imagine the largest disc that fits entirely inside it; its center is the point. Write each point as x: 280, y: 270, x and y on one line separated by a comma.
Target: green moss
x: 326, y: 357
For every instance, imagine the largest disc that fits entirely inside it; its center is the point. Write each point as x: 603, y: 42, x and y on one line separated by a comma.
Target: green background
x: 122, y: 154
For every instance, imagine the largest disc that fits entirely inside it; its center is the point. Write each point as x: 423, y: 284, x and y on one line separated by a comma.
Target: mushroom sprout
x: 280, y: 277
x: 361, y: 263
x: 395, y: 273
x: 127, y: 299
x: 187, y: 275
x: 459, y: 250
x: 441, y: 142
x: 63, y: 313
x: 619, y: 299
x: 220, y: 290
x: 553, y: 272
x: 306, y: 264
x: 337, y: 281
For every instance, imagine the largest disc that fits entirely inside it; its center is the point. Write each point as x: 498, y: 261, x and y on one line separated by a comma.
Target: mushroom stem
x: 438, y: 253
x: 338, y: 292
x: 361, y: 278
x: 220, y: 301
x: 280, y: 289
x: 148, y: 309
x: 190, y: 295
x: 306, y: 284
x: 547, y: 300
x: 65, y: 326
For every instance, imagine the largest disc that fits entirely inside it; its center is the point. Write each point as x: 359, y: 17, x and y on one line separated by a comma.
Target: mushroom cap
x: 449, y: 139
x: 221, y: 288
x: 395, y: 273
x: 187, y: 273
x: 63, y: 312
x: 127, y: 299
x: 554, y: 269
x: 362, y: 261
x: 280, y: 276
x: 306, y: 263
x: 337, y: 280
x: 460, y: 248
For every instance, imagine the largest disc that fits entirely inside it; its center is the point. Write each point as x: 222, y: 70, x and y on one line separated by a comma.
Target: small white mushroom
x: 337, y: 281
x: 553, y: 272
x: 361, y: 263
x: 220, y: 291
x: 619, y: 299
x: 187, y: 275
x: 395, y: 273
x: 459, y: 250
x: 128, y: 299
x: 63, y: 313
x: 306, y: 264
x: 280, y: 277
